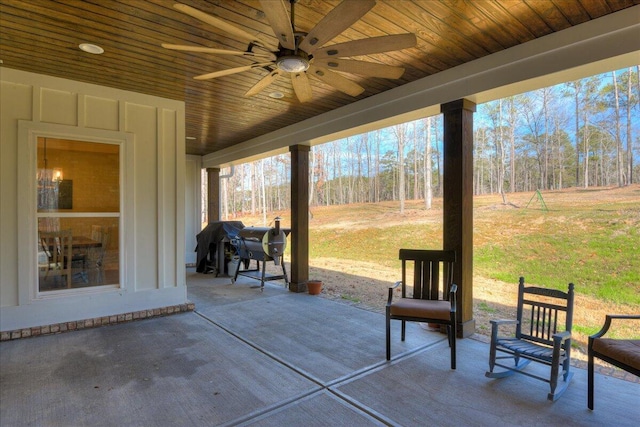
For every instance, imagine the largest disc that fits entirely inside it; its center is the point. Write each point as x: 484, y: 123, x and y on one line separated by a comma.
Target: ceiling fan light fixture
x: 292, y: 64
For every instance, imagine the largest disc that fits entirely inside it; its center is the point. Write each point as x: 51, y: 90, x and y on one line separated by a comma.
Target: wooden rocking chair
x: 542, y: 334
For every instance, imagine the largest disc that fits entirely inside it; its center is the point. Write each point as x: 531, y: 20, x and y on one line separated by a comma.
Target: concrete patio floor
x: 275, y: 358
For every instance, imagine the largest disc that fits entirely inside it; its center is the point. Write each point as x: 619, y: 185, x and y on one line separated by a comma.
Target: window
x: 78, y: 214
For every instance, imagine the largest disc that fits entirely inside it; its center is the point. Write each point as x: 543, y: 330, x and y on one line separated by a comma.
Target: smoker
x: 261, y: 244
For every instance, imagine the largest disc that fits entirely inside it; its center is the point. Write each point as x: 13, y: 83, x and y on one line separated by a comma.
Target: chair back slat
x: 435, y: 278
x: 543, y: 313
x: 428, y: 267
x: 59, y: 249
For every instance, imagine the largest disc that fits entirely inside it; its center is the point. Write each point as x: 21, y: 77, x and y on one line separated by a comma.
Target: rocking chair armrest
x: 499, y: 322
x: 391, y: 288
x: 561, y: 337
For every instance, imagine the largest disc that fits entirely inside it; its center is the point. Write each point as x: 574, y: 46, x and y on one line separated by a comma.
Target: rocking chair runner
x: 542, y: 334
x: 428, y: 303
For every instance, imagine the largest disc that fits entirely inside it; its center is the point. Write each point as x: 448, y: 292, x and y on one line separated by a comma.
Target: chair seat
x: 409, y: 307
x: 529, y: 349
x: 625, y: 351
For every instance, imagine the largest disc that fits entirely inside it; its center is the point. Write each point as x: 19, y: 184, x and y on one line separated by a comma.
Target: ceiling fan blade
x: 335, y: 22
x: 362, y: 68
x: 214, y: 51
x: 232, y: 30
x: 229, y: 71
x: 367, y: 46
x: 278, y: 17
x: 263, y: 83
x: 301, y: 86
x: 336, y: 80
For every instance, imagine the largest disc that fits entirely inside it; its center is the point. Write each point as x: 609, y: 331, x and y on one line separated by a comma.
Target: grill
x: 261, y: 244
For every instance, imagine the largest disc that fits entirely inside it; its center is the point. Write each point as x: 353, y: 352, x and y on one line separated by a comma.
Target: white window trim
x: 28, y: 134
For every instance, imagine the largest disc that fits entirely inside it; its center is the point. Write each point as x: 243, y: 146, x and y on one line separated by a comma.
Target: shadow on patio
x: 280, y: 359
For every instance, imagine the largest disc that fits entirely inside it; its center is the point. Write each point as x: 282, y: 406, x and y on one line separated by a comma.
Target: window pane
x: 77, y: 253
x: 78, y: 214
x: 76, y: 176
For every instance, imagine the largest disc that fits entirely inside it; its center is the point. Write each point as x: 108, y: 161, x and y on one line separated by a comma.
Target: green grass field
x: 588, y: 237
x: 591, y: 238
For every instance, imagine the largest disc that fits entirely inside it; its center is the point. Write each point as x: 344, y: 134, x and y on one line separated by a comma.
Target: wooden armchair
x: 623, y: 353
x: 542, y: 334
x: 429, y: 302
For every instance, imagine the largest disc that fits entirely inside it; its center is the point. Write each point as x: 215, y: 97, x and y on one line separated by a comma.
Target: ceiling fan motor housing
x: 292, y: 61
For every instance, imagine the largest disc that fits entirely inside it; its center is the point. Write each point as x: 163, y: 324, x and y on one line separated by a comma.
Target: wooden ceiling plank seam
x: 426, y: 38
x: 616, y: 5
x: 573, y: 11
x: 461, y: 23
x: 550, y: 14
x: 503, y: 23
x: 596, y: 9
x: 455, y: 40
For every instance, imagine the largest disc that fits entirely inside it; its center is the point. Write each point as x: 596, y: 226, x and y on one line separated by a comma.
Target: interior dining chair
x: 58, y: 247
x: 100, y: 234
x: 428, y: 294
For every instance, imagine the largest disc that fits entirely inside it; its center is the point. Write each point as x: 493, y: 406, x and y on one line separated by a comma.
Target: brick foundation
x: 96, y: 322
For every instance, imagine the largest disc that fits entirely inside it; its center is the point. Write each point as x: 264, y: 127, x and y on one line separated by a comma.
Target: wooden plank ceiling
x: 42, y: 36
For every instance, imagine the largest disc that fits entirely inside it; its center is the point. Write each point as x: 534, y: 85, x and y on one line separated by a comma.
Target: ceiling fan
x: 301, y: 54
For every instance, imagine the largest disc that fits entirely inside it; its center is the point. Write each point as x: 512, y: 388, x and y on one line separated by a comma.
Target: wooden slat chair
x: 58, y: 246
x: 542, y: 334
x: 100, y: 234
x: 432, y: 300
x: 622, y: 353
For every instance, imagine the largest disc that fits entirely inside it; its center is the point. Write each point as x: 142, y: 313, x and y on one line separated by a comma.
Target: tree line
x: 577, y: 134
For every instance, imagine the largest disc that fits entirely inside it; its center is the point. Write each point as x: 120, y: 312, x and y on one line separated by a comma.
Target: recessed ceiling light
x: 276, y: 95
x: 91, y: 48
x: 190, y: 137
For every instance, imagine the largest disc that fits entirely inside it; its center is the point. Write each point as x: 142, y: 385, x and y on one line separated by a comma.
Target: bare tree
x: 312, y: 177
x: 576, y: 87
x: 400, y: 133
x: 619, y: 160
x: 377, y: 178
x: 629, y: 132
x: 513, y: 117
x: 428, y: 168
x: 263, y: 198
x: 437, y: 120
x: 415, y: 161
